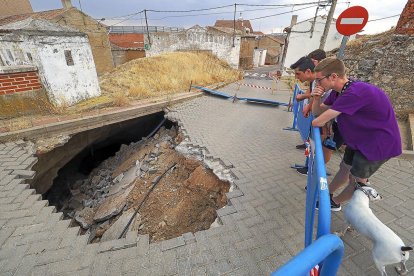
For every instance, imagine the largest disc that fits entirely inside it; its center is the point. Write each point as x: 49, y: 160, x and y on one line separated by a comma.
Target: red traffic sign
x: 352, y: 20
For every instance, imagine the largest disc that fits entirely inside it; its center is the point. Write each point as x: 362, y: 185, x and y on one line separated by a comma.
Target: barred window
x: 68, y: 57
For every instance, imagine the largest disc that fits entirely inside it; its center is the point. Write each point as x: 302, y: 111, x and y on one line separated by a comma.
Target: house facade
x: 126, y: 47
x: 61, y: 57
x: 70, y: 16
x: 250, y: 44
x: 302, y: 41
x: 196, y: 38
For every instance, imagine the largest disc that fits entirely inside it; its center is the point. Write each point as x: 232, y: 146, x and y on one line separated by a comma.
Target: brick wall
x: 405, y: 24
x: 11, y: 83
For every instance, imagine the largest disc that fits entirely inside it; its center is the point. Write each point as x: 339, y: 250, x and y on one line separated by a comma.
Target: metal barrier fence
x: 295, y: 107
x: 327, y: 250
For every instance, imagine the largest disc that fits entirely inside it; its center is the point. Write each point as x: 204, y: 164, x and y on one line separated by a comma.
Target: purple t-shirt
x: 367, y: 121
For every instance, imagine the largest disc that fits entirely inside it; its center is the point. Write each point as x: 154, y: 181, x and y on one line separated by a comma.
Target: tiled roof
x: 36, y: 15
x: 240, y: 24
x: 127, y: 40
x: 225, y: 29
x: 31, y: 24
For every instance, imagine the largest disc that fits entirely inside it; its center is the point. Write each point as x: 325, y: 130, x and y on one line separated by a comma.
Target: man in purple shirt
x: 366, y: 121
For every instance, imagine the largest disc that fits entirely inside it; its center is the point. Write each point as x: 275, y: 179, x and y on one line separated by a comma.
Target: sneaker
x: 335, y: 207
x: 302, y: 146
x: 302, y: 171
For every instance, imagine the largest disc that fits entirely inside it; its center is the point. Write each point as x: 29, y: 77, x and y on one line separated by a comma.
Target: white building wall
x: 196, y: 39
x: 64, y: 84
x: 301, y: 44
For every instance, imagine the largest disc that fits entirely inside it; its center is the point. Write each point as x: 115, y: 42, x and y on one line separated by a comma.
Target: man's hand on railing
x: 306, y: 110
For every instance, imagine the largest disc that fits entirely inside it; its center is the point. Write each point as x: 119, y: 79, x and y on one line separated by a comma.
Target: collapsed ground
x: 184, y: 200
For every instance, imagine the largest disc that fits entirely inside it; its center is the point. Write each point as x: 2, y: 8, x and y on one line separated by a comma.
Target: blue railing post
x: 295, y: 107
x: 327, y: 250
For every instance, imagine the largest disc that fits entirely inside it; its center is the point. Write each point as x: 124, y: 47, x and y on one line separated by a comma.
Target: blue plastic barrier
x: 304, y: 123
x: 327, y: 250
x: 249, y: 100
x: 295, y: 107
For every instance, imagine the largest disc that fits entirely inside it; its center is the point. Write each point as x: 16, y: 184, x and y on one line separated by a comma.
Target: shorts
x: 337, y: 138
x: 360, y: 166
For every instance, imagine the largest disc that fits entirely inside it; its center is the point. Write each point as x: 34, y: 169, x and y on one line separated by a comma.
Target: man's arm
x: 318, y: 107
x: 325, y: 117
x: 301, y: 97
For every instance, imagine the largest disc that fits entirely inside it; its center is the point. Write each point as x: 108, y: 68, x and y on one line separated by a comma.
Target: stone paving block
x: 172, y: 243
x: 184, y: 267
x: 6, y: 179
x: 143, y: 245
x: 22, y: 197
x: 227, y: 210
x: 25, y: 174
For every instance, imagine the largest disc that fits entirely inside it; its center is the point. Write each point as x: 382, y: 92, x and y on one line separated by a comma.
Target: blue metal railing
x: 328, y: 247
x: 327, y: 250
x: 295, y: 107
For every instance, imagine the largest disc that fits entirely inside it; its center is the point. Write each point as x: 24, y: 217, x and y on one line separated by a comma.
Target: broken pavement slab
x: 112, y: 205
x: 118, y: 226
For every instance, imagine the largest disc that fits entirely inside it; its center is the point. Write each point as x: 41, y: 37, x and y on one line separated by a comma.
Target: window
x: 29, y: 56
x: 68, y: 57
x: 9, y: 53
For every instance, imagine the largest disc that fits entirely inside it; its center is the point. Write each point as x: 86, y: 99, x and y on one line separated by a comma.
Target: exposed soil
x: 184, y: 200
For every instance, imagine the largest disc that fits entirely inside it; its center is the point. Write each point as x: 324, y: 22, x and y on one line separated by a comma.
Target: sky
x: 114, y: 12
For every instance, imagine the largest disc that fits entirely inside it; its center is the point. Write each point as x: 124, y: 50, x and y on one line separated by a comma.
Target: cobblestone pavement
x: 263, y: 225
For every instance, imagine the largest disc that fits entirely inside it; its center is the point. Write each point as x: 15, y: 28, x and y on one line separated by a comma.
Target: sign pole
x: 341, y: 52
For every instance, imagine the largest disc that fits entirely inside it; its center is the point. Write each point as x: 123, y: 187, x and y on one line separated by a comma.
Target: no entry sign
x: 352, y: 20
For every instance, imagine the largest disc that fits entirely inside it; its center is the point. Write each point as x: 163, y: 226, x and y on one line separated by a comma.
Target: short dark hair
x: 303, y: 64
x: 318, y: 54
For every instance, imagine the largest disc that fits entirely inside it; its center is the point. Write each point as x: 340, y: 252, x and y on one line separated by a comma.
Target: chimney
x: 67, y: 4
x: 292, y: 21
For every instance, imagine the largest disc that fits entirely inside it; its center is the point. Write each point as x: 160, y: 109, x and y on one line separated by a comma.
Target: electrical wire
x: 206, y: 9
x: 128, y: 18
x: 384, y: 18
x: 285, y: 5
x: 251, y: 19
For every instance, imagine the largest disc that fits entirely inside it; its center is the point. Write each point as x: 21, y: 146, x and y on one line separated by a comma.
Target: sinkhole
x: 126, y: 177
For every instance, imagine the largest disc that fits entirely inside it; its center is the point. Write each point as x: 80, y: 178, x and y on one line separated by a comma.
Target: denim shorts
x: 360, y: 166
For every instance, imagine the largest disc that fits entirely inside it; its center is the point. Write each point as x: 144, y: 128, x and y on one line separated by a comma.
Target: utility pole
x: 314, y: 20
x: 327, y: 25
x: 288, y: 30
x: 146, y: 23
x: 234, y: 23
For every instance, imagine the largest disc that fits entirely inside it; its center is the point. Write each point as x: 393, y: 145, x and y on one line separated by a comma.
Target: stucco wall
x: 64, y: 84
x: 97, y: 34
x: 300, y: 44
x: 121, y: 56
x: 221, y: 44
x: 12, y: 7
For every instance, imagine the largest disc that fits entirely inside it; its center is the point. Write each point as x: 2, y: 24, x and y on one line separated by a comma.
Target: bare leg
x: 341, y: 177
x: 347, y: 193
x: 327, y: 154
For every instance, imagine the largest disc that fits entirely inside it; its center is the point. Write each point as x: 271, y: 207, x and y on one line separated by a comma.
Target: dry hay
x: 164, y: 75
